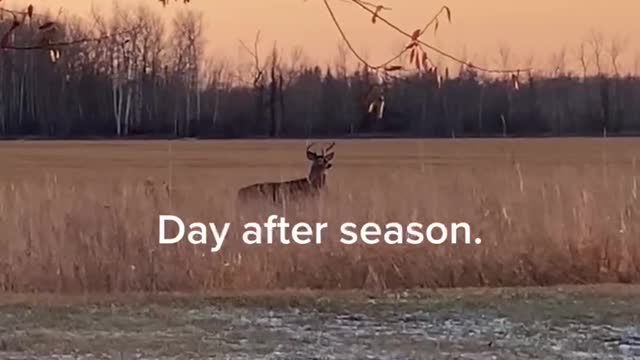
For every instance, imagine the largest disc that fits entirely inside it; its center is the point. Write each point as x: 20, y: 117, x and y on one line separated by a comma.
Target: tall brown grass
x: 83, y: 217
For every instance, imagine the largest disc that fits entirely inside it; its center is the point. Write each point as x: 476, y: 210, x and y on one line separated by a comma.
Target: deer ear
x: 329, y: 157
x: 311, y: 156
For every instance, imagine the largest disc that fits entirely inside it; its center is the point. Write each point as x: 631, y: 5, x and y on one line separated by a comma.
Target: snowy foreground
x: 541, y: 324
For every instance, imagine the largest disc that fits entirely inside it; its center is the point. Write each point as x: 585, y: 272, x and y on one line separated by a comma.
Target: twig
x: 254, y: 52
x: 71, y: 42
x: 15, y: 12
x: 437, y: 50
x: 47, y: 27
x: 350, y: 46
x: 435, y: 18
x: 376, y: 13
x: 259, y: 70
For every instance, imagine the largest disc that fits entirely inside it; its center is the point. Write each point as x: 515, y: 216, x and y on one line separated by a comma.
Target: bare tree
x: 258, y: 81
x: 341, y: 63
x: 597, y: 42
x: 559, y: 63
x: 149, y: 49
x: 187, y: 56
x: 217, y: 79
x: 584, y: 61
x: 504, y: 51
x: 122, y: 66
x: 616, y: 47
x: 276, y: 88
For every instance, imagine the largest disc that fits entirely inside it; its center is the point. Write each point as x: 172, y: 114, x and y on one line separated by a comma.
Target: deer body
x: 297, y: 189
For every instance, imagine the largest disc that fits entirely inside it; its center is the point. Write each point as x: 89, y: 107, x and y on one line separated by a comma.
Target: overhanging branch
x: 54, y: 45
x: 375, y: 11
x: 48, y: 29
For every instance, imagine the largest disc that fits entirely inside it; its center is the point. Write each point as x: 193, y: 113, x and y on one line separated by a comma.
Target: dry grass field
x: 80, y: 217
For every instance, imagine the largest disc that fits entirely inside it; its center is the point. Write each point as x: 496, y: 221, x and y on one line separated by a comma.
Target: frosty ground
x: 596, y: 322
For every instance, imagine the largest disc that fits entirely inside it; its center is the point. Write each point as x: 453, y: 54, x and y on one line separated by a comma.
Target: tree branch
x: 415, y: 37
x: 47, y: 29
x: 53, y: 45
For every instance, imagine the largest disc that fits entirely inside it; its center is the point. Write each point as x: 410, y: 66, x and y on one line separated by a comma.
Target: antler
x: 309, y: 148
x: 329, y: 148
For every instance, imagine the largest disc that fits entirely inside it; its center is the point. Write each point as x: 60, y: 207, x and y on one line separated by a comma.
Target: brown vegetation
x: 83, y: 217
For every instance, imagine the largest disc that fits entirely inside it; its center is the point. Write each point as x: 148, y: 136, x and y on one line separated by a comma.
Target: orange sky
x: 529, y: 28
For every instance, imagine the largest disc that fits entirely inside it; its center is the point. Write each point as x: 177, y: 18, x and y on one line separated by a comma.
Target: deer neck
x: 316, y: 178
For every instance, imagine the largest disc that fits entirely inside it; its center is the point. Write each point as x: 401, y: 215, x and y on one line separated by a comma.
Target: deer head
x: 320, y: 163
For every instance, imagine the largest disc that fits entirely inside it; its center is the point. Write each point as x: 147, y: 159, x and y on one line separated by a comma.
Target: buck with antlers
x: 309, y: 186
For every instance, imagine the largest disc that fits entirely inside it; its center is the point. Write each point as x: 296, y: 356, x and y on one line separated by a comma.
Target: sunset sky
x: 528, y: 28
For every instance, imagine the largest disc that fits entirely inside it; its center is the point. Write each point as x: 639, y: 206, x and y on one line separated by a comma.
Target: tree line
x: 153, y: 80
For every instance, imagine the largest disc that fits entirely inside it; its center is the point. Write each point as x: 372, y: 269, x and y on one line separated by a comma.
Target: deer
x: 297, y: 189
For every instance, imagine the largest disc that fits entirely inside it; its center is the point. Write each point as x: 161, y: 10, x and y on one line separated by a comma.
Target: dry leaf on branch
x: 416, y: 34
x: 393, y: 68
x: 49, y: 25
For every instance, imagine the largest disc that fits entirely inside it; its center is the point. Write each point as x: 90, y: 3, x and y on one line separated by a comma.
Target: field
x: 525, y: 323
x: 81, y: 219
